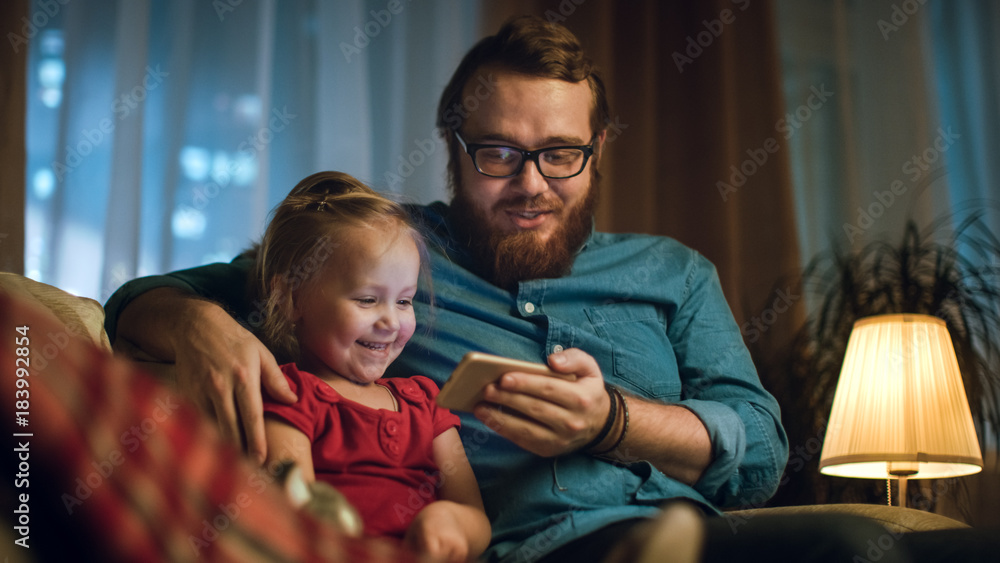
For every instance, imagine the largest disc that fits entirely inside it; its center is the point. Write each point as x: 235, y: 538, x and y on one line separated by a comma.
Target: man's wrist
x: 608, y: 438
x: 192, y: 313
x: 620, y: 427
x: 609, y: 422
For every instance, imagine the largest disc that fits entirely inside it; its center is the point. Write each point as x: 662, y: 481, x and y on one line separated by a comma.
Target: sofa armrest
x: 894, y: 518
x: 81, y: 316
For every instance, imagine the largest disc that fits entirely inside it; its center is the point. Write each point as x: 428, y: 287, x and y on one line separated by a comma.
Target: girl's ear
x: 286, y: 302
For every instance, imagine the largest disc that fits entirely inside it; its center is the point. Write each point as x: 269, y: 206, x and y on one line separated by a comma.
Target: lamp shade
x: 900, y: 408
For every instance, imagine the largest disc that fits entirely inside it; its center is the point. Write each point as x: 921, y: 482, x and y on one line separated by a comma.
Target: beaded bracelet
x: 621, y: 437
x: 609, y: 423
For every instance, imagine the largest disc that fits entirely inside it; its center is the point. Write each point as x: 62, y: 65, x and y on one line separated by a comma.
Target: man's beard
x: 508, y: 258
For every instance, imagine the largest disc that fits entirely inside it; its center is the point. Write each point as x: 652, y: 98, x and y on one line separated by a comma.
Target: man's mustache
x: 540, y: 202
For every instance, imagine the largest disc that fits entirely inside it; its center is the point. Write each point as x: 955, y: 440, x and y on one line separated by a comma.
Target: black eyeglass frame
x: 471, y: 148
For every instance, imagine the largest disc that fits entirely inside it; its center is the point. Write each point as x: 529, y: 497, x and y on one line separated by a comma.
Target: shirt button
x: 529, y: 307
x: 557, y: 348
x: 391, y: 428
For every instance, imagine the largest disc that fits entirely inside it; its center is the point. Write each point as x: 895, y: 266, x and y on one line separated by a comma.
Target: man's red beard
x: 508, y: 258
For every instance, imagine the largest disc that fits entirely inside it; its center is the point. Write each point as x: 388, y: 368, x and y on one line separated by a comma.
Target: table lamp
x: 900, y: 409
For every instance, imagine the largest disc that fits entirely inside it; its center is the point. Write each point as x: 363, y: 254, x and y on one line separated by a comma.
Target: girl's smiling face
x: 354, y: 317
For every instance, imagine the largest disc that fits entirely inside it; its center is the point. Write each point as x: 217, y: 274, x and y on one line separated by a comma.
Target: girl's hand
x: 436, y: 533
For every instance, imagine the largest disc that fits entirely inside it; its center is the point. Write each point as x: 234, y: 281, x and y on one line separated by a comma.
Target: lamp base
x: 901, y: 471
x: 901, y: 490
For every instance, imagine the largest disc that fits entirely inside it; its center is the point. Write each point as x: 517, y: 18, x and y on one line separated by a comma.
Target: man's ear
x: 599, y: 145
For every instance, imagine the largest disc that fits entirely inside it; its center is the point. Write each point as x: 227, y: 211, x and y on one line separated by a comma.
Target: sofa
x: 124, y: 468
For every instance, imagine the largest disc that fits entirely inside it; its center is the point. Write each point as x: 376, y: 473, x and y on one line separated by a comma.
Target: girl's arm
x: 454, y: 528
x: 458, y: 483
x: 287, y: 443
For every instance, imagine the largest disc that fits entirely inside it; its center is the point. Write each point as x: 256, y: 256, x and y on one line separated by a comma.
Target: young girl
x: 337, y: 271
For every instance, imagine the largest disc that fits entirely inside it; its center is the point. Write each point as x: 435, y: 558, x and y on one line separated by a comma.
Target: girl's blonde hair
x: 305, y: 230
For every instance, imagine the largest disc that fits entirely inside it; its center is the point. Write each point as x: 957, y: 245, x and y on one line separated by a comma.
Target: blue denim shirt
x: 648, y: 309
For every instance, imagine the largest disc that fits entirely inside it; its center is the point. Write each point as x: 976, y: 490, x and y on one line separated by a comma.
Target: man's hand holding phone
x: 546, y: 410
x: 464, y: 389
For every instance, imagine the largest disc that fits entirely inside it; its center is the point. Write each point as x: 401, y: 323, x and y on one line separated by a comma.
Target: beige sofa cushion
x: 893, y: 518
x: 82, y: 316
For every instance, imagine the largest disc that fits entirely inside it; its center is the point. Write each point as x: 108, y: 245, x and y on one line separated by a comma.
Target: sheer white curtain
x: 160, y: 133
x: 905, y: 126
x: 966, y: 39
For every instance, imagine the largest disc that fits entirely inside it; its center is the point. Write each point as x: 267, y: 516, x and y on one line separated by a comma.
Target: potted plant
x: 951, y: 273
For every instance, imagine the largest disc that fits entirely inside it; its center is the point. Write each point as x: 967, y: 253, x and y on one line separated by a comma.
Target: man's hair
x: 527, y: 45
x: 308, y: 228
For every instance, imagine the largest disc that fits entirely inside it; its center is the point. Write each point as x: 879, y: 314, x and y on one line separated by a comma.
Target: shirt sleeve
x: 300, y: 414
x: 443, y: 419
x: 721, y: 387
x: 220, y: 282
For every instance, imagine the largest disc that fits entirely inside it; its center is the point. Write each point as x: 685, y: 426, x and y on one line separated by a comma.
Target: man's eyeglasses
x: 556, y: 163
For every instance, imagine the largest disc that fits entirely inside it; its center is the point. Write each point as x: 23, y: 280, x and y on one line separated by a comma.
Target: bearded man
x: 664, y: 402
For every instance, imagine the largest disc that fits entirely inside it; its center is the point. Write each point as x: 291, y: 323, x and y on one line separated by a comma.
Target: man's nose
x: 530, y: 180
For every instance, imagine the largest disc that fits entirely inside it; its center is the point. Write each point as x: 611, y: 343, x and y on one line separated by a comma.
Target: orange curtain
x: 697, y: 148
x: 13, y: 61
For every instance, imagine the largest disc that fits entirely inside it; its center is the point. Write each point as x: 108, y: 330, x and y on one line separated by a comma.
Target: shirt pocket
x: 642, y: 355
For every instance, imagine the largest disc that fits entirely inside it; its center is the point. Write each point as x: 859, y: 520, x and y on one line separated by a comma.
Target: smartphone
x: 477, y: 370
